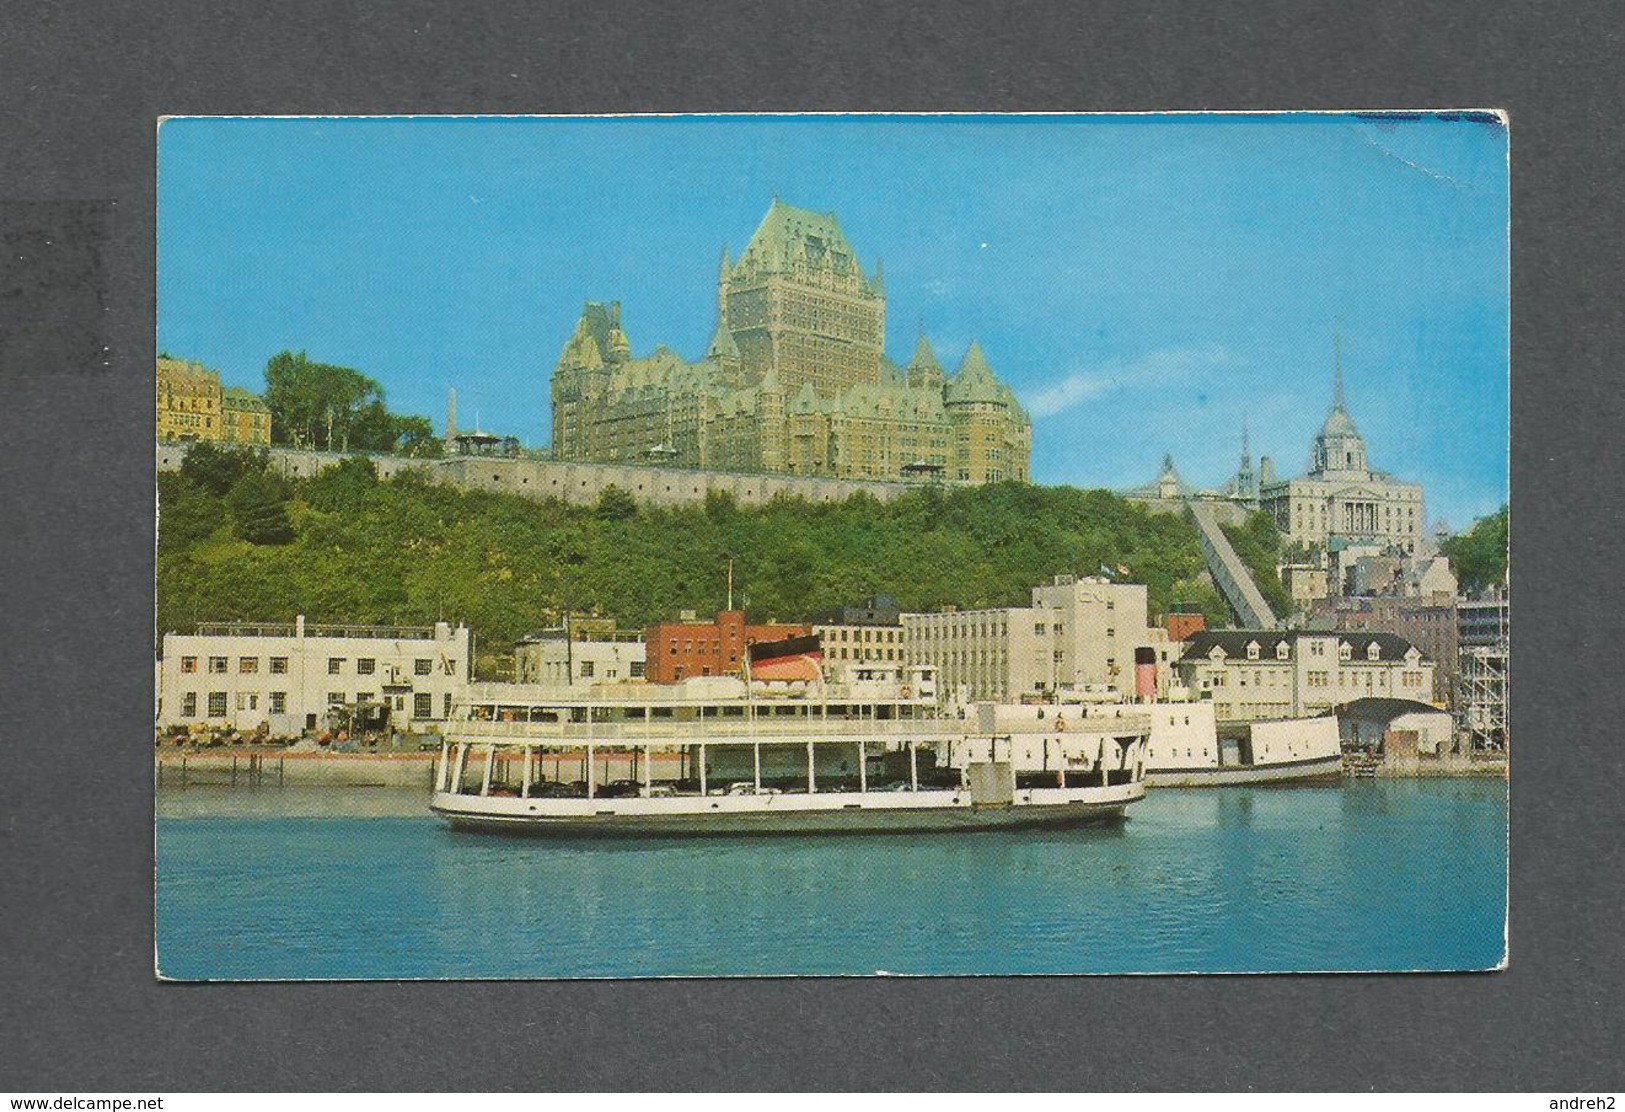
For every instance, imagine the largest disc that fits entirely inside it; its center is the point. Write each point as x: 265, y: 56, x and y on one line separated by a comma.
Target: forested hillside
x: 238, y: 542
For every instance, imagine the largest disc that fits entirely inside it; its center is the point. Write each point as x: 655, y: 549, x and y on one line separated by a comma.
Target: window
x: 335, y: 698
x: 636, y: 669
x: 1039, y: 628
x: 279, y: 665
x: 217, y: 703
x: 217, y: 665
x: 1345, y: 651
x: 189, y: 665
x: 279, y: 702
x: 422, y: 705
x: 248, y: 665
x: 189, y: 704
x: 365, y: 666
x: 422, y: 666
x: 586, y: 669
x: 335, y: 665
x: 446, y: 712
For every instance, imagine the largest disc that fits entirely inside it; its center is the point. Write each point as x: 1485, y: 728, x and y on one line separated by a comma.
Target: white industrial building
x: 565, y: 658
x: 1078, y: 635
x: 288, y: 677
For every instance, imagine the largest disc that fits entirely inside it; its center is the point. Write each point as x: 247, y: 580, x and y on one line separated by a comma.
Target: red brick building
x: 678, y: 650
x: 1182, y: 627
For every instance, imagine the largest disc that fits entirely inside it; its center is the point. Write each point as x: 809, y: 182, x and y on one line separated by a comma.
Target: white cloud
x: 1161, y: 366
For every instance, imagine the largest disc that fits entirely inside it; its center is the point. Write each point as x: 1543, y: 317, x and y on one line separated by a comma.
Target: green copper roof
x: 925, y: 359
x: 788, y: 233
x: 1339, y: 423
x: 722, y: 344
x: 975, y: 382
x: 582, y: 352
x: 238, y: 398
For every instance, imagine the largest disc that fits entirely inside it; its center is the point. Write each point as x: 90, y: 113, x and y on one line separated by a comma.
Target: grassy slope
x: 409, y: 552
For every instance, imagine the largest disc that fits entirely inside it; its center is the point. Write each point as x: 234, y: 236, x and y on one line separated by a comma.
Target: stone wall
x: 579, y: 483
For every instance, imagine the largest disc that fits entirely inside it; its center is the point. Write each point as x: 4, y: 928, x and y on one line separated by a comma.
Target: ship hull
x: 1313, y: 770
x: 775, y: 815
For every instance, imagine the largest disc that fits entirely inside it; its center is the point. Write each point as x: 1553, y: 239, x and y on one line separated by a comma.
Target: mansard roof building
x: 795, y: 380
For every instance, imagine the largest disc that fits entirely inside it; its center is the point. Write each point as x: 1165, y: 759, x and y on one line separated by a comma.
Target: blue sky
x: 1146, y: 284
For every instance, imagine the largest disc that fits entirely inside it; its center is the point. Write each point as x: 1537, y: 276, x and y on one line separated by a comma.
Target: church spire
x: 1337, y: 359
x: 1246, y: 456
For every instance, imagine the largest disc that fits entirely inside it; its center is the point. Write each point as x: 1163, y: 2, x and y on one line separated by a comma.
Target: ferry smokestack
x: 1145, y: 674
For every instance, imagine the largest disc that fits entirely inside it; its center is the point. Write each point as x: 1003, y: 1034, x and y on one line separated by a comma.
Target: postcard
x: 831, y: 545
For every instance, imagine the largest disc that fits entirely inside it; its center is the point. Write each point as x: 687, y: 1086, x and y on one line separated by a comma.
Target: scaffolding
x: 1481, y: 698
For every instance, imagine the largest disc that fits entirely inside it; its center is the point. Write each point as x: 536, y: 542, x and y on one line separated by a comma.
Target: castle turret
x: 724, y: 352
x: 973, y: 384
x: 924, y: 370
x: 618, y: 349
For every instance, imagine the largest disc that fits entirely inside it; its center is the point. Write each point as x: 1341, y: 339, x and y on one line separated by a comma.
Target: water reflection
x: 363, y: 883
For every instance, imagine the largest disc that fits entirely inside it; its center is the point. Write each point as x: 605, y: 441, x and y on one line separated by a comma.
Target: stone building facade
x: 1252, y: 674
x: 868, y: 634
x: 1428, y: 623
x: 192, y: 405
x: 795, y: 381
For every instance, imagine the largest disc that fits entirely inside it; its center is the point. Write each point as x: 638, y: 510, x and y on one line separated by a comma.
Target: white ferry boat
x: 713, y: 756
x: 1187, y: 748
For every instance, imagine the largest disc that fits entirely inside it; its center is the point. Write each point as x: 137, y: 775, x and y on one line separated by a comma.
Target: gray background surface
x: 82, y: 85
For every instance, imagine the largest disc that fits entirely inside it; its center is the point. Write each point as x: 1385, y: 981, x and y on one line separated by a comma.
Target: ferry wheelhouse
x: 714, y: 756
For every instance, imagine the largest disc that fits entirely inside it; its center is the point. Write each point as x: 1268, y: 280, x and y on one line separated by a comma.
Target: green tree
x: 259, y: 505
x: 318, y: 405
x: 217, y: 469
x: 615, y: 504
x: 720, y: 506
x: 1258, y: 542
x: 345, y: 487
x: 187, y: 514
x: 1479, y: 556
x: 414, y: 436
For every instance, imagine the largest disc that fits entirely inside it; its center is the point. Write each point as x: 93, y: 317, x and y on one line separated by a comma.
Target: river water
x: 362, y: 883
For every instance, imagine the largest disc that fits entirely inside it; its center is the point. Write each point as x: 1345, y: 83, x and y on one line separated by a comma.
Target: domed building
x: 1341, y: 502
x: 795, y: 380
